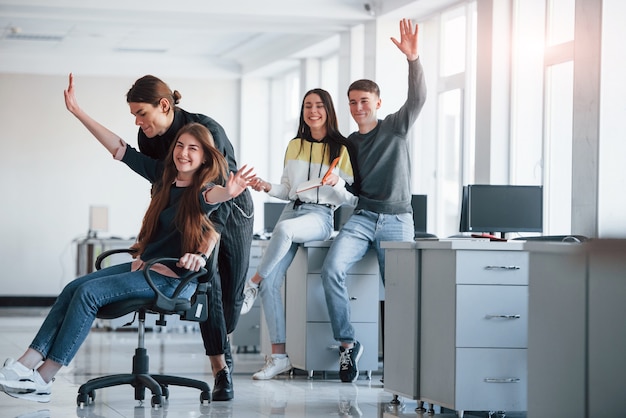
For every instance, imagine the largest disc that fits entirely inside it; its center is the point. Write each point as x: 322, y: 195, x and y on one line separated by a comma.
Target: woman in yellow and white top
x: 317, y: 169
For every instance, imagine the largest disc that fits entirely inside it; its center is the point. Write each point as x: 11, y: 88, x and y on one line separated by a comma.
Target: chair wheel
x: 82, y: 400
x: 205, y: 397
x: 165, y: 391
x: 156, y: 401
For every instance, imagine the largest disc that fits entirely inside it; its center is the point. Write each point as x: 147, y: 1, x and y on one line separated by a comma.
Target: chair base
x: 141, y: 380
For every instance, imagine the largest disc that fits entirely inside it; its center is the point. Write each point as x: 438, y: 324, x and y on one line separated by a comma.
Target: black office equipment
x: 487, y: 208
x: 271, y: 214
x: 419, y: 205
x: 341, y: 215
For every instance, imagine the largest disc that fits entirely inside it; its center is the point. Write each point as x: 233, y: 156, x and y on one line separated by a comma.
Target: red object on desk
x: 491, y: 237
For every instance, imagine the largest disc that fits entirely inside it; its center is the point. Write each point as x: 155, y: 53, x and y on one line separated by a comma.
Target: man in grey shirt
x: 380, y: 157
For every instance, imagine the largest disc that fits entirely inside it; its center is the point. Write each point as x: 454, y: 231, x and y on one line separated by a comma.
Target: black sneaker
x: 223, y: 386
x: 348, y: 362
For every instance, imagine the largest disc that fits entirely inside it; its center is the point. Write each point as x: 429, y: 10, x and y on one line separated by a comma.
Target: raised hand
x: 408, y: 40
x: 238, y: 182
x: 70, y: 98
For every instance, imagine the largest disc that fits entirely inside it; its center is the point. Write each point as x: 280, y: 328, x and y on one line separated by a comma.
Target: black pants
x: 233, y: 258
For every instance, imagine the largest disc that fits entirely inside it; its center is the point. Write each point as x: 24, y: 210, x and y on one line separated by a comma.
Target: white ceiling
x: 189, y: 38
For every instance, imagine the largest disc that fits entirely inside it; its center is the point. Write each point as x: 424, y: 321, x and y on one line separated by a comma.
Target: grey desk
x: 310, y: 341
x: 89, y: 249
x: 577, y: 337
x: 456, y: 323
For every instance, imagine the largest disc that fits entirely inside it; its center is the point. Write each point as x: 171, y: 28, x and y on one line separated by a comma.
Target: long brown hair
x: 335, y: 138
x: 190, y: 220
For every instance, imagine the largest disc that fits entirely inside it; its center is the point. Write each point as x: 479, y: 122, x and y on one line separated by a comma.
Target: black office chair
x: 192, y: 309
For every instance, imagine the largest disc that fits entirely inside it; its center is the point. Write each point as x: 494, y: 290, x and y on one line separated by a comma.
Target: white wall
x: 53, y: 170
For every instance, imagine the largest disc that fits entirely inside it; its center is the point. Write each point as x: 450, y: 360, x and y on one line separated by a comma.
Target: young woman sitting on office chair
x: 189, y: 184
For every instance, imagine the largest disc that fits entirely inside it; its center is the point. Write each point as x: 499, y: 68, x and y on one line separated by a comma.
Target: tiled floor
x: 181, y: 353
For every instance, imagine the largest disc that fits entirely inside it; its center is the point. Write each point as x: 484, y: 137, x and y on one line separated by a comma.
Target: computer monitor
x: 419, y: 205
x: 341, y: 216
x: 487, y: 208
x: 271, y: 213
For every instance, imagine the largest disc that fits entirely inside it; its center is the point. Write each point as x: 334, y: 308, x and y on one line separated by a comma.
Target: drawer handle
x: 502, y: 267
x: 353, y: 298
x: 502, y: 380
x: 514, y: 316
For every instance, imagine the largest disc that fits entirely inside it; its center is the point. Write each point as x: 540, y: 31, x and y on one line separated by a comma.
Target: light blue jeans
x: 307, y: 222
x: 364, y: 230
x: 68, y: 323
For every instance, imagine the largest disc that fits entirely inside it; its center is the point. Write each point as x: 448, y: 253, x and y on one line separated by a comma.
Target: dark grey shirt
x: 382, y: 155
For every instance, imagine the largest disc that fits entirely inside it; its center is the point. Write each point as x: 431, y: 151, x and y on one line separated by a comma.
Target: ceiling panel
x: 190, y: 38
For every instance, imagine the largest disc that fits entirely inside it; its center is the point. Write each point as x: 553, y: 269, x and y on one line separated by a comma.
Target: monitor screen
x: 271, y: 213
x: 341, y: 215
x: 418, y: 203
x: 501, y: 208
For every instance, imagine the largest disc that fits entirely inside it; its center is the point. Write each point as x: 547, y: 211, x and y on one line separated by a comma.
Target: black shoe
x: 348, y: 362
x: 229, y: 357
x: 223, y: 386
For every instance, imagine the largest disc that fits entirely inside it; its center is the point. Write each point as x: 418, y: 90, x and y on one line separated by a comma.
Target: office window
x: 560, y: 19
x: 454, y: 103
x: 450, y: 117
x: 558, y: 148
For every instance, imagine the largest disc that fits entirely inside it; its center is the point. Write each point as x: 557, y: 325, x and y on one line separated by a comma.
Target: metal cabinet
x: 576, y: 342
x: 474, y: 322
x: 460, y: 309
x: 310, y: 341
x: 247, y: 334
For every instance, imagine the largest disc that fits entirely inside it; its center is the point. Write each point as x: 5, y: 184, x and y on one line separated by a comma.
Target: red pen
x: 330, y: 169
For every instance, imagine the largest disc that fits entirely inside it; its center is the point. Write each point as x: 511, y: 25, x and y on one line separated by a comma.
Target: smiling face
x: 188, y: 156
x: 314, y: 114
x: 153, y: 120
x: 363, y: 108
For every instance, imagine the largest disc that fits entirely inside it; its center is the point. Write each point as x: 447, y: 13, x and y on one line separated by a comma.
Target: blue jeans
x: 68, y: 323
x: 364, y: 230
x: 307, y: 222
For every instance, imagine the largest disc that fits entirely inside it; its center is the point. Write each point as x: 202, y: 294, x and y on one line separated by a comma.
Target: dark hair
x: 150, y: 89
x: 336, y: 140
x: 190, y: 219
x: 365, y: 85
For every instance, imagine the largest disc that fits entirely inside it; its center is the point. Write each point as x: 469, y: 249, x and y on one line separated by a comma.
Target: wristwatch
x: 204, y: 257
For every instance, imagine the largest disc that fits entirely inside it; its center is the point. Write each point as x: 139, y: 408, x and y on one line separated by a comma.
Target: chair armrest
x: 168, y: 303
x: 108, y: 253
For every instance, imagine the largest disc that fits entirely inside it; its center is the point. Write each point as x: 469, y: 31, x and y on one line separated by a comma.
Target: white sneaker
x: 16, y: 378
x: 41, y: 393
x: 273, y: 367
x: 249, y: 296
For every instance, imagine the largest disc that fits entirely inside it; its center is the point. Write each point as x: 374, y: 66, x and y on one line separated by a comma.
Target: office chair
x: 192, y: 309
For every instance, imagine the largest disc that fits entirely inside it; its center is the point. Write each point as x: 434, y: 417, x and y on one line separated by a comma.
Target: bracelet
x: 204, y: 257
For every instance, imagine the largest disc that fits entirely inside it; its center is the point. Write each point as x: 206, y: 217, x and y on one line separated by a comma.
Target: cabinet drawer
x: 492, y: 267
x: 363, y: 292
x: 492, y: 316
x: 491, y: 379
x: 367, y: 265
x: 248, y: 330
x: 256, y: 253
x: 322, y: 351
